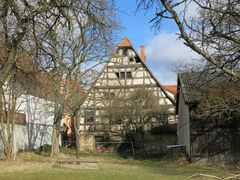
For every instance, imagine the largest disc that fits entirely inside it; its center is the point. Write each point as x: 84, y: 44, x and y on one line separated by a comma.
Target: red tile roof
x: 40, y: 84
x: 170, y: 88
x: 44, y: 85
x: 125, y: 43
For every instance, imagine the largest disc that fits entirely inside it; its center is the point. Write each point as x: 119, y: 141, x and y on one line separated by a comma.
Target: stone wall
x: 87, y: 143
x: 152, y: 143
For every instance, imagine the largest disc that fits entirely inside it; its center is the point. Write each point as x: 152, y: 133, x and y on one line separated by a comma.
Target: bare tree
x: 138, y: 111
x: 82, y: 39
x: 58, y: 36
x: 213, y: 33
x: 15, y: 23
x: 220, y: 102
x: 10, y: 92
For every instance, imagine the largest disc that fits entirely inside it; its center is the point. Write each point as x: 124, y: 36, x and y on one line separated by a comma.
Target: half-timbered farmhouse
x: 126, y: 71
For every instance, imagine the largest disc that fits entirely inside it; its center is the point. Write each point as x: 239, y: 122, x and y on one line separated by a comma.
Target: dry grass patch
x: 26, y: 162
x: 112, y: 166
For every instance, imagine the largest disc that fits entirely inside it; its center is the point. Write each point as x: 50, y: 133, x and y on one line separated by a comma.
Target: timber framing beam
x: 126, y: 86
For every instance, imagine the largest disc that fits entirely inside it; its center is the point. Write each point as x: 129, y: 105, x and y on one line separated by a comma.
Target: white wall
x: 170, y: 94
x: 39, y: 120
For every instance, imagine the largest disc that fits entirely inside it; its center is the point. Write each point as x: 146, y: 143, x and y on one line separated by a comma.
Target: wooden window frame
x: 128, y: 74
x: 89, y: 116
x: 124, y: 74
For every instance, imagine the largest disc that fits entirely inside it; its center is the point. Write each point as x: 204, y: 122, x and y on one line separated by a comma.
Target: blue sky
x: 163, y: 51
x: 136, y: 25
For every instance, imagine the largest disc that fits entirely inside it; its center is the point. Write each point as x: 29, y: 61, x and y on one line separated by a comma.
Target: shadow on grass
x: 45, y: 150
x: 150, y: 156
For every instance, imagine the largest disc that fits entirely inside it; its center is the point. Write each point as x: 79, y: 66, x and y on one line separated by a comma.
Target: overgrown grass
x: 29, y: 165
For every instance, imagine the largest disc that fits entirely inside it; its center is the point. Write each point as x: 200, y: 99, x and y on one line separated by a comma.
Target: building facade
x: 126, y: 71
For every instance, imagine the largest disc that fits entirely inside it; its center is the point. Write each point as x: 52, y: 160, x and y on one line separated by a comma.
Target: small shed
x: 208, y: 115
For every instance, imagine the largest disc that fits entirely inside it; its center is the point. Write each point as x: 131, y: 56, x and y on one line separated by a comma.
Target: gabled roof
x: 125, y: 43
x: 190, y: 82
x: 195, y: 84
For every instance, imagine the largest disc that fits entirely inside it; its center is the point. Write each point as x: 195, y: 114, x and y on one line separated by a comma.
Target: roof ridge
x: 125, y: 43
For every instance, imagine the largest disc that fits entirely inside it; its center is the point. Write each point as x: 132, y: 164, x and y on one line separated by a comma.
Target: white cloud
x: 164, y: 52
x: 166, y: 47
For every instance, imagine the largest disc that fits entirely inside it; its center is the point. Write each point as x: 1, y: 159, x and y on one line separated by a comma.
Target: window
x: 89, y: 116
x: 109, y: 94
x: 125, y: 52
x: 165, y: 118
x: 112, y: 94
x: 129, y: 74
x: 124, y: 75
x: 99, y: 139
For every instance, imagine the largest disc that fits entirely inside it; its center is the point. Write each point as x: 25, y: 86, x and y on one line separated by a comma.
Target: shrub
x: 165, y: 129
x: 45, y: 148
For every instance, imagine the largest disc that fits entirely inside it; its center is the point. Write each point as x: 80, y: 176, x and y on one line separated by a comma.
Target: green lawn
x: 111, y: 166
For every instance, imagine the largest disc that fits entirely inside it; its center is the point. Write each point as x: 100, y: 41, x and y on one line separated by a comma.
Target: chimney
x: 142, y: 53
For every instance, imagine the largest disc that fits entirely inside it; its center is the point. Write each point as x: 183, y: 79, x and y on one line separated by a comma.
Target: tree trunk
x: 7, y: 122
x: 58, y: 115
x: 55, y: 139
x: 77, y: 145
x: 138, y: 138
x: 8, y: 151
x: 133, y: 150
x: 8, y: 140
x: 77, y: 134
